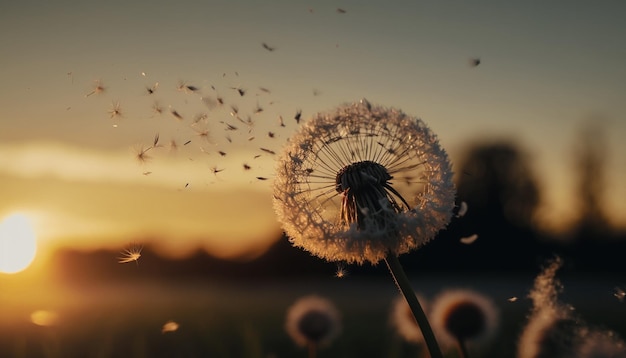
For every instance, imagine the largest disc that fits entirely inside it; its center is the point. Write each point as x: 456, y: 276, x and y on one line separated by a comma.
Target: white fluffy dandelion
x: 362, y: 181
x: 313, y: 321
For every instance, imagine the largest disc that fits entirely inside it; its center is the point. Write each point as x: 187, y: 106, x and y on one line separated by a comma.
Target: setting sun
x: 17, y: 243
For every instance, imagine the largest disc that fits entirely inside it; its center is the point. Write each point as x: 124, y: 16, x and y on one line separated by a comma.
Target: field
x: 217, y: 319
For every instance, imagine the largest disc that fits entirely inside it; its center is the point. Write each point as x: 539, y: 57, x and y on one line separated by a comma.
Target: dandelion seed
x: 130, y: 254
x: 115, y: 111
x: 462, y: 210
x: 246, y: 166
x: 269, y: 151
x: 341, y: 11
x: 141, y: 154
x: 266, y: 90
x: 257, y: 156
x: 316, y: 92
x: 157, y: 109
x: 469, y: 239
x: 298, y: 116
x: 512, y: 299
x: 184, y: 87
x: 262, y: 178
x: 474, y: 62
x: 258, y: 109
x: 223, y: 154
x: 147, y: 173
x: 270, y: 134
x: 187, y: 142
x: 153, y: 88
x: 234, y: 110
x: 281, y: 122
x: 170, y: 326
x: 464, y: 315
x: 215, y: 170
x: 251, y: 138
x: 99, y: 88
x: 619, y: 294
x: 176, y: 114
x: 240, y: 90
x: 336, y: 193
x: 313, y: 322
x: 268, y: 47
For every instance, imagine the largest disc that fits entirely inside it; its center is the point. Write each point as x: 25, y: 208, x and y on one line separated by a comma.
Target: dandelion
x: 98, y: 88
x: 130, y: 254
x: 313, y: 322
x: 336, y: 195
x: 463, y: 315
x: 335, y: 191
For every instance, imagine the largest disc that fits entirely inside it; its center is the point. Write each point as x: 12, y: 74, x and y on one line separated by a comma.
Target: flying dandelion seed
x: 99, y: 88
x: 115, y: 111
x: 141, y: 154
x: 462, y: 210
x: 156, y: 108
x: 469, y: 239
x: 153, y: 88
x: 298, y: 116
x: 262, y: 178
x: 341, y: 271
x: 268, y: 47
x: 619, y: 294
x: 176, y: 114
x: 512, y: 299
x: 170, y: 326
x: 130, y: 254
x: 474, y: 62
x: 269, y: 151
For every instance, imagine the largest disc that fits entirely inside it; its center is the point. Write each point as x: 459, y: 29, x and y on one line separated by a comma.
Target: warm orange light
x: 17, y: 244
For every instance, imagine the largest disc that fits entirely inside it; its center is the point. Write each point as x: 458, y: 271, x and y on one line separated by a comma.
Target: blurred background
x: 154, y: 127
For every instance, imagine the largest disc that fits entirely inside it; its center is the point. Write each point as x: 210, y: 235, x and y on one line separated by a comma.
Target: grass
x: 247, y: 320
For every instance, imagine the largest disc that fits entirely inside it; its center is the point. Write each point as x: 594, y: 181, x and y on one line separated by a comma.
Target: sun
x: 17, y: 243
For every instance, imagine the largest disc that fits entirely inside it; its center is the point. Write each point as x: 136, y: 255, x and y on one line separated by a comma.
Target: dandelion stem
x: 463, y: 348
x: 402, y: 281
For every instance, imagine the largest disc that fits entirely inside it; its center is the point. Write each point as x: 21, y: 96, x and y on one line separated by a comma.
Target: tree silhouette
x: 590, y: 155
x: 502, y: 195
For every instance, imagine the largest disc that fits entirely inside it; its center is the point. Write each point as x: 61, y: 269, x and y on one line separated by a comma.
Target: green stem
x: 402, y: 281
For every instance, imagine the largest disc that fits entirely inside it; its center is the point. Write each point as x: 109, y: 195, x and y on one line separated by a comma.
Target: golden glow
x: 17, y: 244
x: 44, y: 318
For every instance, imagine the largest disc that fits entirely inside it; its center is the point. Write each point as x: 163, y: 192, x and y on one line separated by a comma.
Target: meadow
x: 247, y: 319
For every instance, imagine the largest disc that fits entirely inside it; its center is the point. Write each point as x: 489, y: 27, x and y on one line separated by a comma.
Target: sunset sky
x: 546, y: 69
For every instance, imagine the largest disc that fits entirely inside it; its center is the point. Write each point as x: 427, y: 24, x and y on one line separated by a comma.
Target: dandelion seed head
x: 313, y: 320
x: 336, y: 192
x: 462, y: 315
